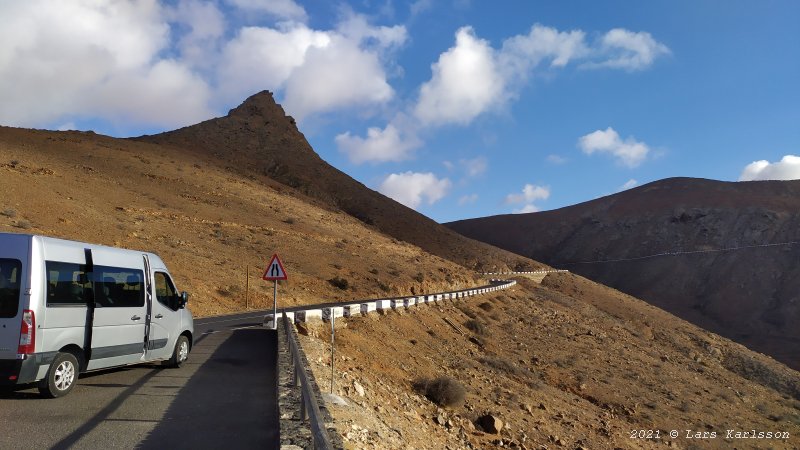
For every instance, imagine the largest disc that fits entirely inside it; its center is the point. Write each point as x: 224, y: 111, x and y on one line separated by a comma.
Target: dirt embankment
x: 566, y: 364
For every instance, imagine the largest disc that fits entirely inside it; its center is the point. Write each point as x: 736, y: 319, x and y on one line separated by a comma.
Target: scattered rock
x: 302, y: 328
x: 333, y: 399
x: 489, y: 423
x: 359, y: 389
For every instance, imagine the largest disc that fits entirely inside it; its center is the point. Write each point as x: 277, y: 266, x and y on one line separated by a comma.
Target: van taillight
x: 27, y: 333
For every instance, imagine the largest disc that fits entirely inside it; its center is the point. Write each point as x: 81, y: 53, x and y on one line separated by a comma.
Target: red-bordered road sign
x: 275, y: 270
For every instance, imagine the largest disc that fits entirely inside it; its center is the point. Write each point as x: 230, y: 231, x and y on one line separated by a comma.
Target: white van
x: 69, y: 307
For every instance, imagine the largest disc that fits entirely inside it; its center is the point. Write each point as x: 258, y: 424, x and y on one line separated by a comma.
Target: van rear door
x: 13, y: 270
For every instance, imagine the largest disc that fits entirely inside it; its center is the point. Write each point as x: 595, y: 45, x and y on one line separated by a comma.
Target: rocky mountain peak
x: 260, y: 106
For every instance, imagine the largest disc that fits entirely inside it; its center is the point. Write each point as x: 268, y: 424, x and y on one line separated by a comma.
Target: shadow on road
x: 231, y: 400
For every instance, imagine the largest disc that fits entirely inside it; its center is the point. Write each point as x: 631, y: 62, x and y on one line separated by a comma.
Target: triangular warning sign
x: 275, y: 270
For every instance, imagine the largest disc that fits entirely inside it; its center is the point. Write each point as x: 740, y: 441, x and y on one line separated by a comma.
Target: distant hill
x: 259, y: 139
x: 750, y: 294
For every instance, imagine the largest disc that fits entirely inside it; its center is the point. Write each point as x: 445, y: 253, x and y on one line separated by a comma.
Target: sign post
x: 274, y: 272
x: 333, y: 336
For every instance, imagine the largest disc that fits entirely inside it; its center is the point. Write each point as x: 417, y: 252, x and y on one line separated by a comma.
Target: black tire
x: 61, y: 377
x: 181, y: 352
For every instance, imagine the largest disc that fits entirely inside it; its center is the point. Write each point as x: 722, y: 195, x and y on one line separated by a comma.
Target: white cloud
x: 259, y: 57
x: 206, y: 24
x: 388, y: 144
x: 468, y: 199
x: 168, y: 93
x: 464, y: 84
x: 529, y: 208
x: 474, y: 167
x: 282, y: 9
x: 341, y: 75
x: 629, y: 152
x: 356, y: 28
x: 412, y: 188
x: 141, y: 63
x: 58, y: 59
x: 472, y: 78
x: 788, y: 168
x: 628, y: 184
x: 319, y: 71
x: 420, y: 6
x: 521, y: 53
x: 530, y: 193
x: 628, y: 50
x: 556, y: 159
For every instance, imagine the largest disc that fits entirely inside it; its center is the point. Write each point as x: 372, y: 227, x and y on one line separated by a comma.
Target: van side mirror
x: 184, y: 299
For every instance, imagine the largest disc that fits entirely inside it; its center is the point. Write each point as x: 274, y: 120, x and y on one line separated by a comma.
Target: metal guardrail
x: 308, y: 399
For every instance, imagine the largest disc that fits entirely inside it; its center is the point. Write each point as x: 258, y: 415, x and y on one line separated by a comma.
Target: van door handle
x: 159, y: 316
x: 136, y: 318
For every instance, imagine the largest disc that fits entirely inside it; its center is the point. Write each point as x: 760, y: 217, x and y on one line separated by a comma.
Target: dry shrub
x: 486, y: 306
x: 340, y: 283
x: 443, y: 390
x: 476, y: 327
x: 785, y: 382
x: 468, y: 312
x: 504, y: 365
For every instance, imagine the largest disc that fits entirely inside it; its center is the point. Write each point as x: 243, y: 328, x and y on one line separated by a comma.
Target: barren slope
x: 751, y: 295
x: 208, y: 223
x: 568, y: 364
x: 257, y: 139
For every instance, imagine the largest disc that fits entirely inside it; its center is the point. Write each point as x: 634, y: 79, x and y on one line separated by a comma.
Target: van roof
x: 155, y: 259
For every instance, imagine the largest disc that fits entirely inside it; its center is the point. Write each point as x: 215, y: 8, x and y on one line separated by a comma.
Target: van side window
x: 165, y: 291
x: 67, y: 284
x: 117, y: 287
x: 10, y: 273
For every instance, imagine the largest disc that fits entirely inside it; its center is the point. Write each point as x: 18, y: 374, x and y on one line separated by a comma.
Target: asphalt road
x: 224, y: 396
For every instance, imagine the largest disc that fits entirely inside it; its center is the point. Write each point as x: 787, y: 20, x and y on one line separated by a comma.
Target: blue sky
x: 456, y: 108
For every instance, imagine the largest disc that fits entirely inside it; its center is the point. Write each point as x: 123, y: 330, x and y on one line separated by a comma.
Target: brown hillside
x: 208, y: 223
x: 566, y: 364
x: 257, y: 139
x: 751, y: 295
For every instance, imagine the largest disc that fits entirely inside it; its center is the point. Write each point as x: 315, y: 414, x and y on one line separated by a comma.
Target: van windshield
x: 10, y: 274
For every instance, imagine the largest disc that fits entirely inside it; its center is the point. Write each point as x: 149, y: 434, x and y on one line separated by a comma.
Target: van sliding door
x: 120, y: 313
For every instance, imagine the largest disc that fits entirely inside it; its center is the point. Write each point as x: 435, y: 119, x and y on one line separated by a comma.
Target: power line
x: 681, y: 252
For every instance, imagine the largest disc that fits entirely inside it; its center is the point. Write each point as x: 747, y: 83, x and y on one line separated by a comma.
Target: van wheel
x: 181, y: 352
x: 61, y: 376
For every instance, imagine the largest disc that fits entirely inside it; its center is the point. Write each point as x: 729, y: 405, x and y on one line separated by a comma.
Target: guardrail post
x: 303, y: 405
